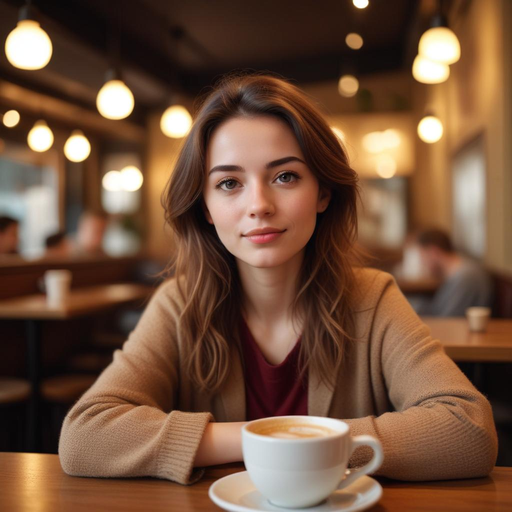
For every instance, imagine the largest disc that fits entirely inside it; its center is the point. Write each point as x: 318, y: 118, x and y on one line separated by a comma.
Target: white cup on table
x: 478, y: 318
x: 298, y: 461
x: 57, y: 284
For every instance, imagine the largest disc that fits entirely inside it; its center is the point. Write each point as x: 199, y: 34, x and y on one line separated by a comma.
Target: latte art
x: 294, y: 431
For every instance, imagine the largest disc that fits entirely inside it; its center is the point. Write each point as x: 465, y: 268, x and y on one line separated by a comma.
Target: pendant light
x: 439, y: 43
x: 28, y: 46
x: 40, y: 137
x: 115, y: 100
x: 428, y: 71
x: 430, y: 129
x: 77, y: 148
x: 348, y: 86
x: 131, y: 178
x: 11, y: 118
x: 354, y: 41
x: 361, y: 4
x: 176, y: 122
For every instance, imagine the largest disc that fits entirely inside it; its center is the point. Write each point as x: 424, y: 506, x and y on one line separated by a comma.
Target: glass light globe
x: 176, y: 122
x: 131, y: 178
x: 386, y: 166
x: 430, y: 129
x: 112, y: 181
x: 28, y: 46
x: 354, y: 41
x: 77, y: 147
x: 440, y: 44
x: 360, y: 4
x: 428, y: 71
x: 115, y: 100
x: 11, y: 118
x: 40, y: 137
x: 348, y: 86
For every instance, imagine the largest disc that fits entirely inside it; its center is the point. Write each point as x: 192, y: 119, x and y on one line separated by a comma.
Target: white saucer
x: 237, y: 493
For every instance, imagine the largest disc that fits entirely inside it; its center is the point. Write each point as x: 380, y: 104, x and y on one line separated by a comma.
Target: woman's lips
x: 264, y: 238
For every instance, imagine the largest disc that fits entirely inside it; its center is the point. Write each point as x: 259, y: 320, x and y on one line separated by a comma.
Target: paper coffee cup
x: 57, y: 284
x: 299, y: 461
x: 478, y: 318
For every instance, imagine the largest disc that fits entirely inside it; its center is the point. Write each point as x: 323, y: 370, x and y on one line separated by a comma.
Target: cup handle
x: 353, y: 474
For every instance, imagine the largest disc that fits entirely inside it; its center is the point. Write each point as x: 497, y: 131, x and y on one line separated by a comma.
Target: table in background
x: 36, y: 482
x: 462, y: 345
x: 33, y: 309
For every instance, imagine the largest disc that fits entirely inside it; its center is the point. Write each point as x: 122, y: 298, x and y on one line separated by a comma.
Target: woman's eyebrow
x: 270, y: 165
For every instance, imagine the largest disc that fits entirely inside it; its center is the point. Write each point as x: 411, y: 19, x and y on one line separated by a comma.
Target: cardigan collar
x: 233, y: 393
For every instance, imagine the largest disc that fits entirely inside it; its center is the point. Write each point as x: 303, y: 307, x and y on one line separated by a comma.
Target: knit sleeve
x: 126, y: 424
x: 441, y: 426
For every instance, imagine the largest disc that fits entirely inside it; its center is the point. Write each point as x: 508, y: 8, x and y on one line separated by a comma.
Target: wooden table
x: 494, y: 345
x: 35, y: 482
x: 34, y: 310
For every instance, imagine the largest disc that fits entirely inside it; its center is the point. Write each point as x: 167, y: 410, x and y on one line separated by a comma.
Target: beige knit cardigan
x: 143, y: 416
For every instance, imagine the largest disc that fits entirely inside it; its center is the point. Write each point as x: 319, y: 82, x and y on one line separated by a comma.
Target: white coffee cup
x: 57, y: 284
x: 478, y: 318
x: 302, y: 472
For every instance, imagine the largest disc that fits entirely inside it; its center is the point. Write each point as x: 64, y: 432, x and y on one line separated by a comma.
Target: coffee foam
x: 293, y: 430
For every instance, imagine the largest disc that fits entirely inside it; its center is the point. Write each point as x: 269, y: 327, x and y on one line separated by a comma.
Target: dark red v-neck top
x: 272, y: 390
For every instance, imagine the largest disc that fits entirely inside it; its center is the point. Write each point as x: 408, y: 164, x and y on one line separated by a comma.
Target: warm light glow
x: 354, y: 41
x: 40, y: 138
x: 77, y: 147
x: 11, y: 118
x: 115, y: 100
x: 386, y: 166
x: 131, y: 178
x: 376, y: 142
x: 348, y: 86
x: 429, y: 72
x: 112, y: 181
x: 176, y: 122
x: 28, y: 46
x: 391, y: 138
x: 440, y: 44
x: 339, y: 133
x: 430, y: 129
x: 360, y: 4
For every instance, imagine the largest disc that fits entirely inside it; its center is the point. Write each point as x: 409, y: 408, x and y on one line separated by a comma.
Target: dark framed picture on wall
x: 469, y: 189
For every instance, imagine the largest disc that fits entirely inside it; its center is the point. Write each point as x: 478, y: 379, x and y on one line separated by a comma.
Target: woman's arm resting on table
x: 442, y: 427
x: 127, y: 424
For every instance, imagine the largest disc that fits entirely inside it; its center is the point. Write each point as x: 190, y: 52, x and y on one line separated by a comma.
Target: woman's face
x: 257, y: 179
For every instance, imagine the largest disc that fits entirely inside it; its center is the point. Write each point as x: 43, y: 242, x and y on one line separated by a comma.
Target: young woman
x: 268, y: 315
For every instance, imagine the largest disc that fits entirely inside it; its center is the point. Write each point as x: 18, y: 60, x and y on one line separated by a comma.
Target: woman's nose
x: 261, y: 203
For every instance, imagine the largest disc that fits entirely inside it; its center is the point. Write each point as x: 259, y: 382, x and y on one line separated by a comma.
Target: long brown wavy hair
x: 206, y: 272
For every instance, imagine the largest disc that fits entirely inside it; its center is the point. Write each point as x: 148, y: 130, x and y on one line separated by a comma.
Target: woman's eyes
x: 229, y: 184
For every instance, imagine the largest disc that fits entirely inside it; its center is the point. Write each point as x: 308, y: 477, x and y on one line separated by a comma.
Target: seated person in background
x: 465, y: 283
x: 9, y: 235
x: 91, y: 230
x: 58, y: 245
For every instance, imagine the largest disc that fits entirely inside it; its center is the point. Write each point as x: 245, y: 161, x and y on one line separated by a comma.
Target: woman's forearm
x: 221, y: 443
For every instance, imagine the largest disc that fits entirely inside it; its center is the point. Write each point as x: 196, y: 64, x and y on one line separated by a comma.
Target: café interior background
x: 170, y: 52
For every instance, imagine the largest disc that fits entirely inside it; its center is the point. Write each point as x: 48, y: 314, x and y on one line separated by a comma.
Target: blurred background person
x: 91, y: 231
x: 58, y: 245
x: 464, y: 282
x: 9, y: 235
